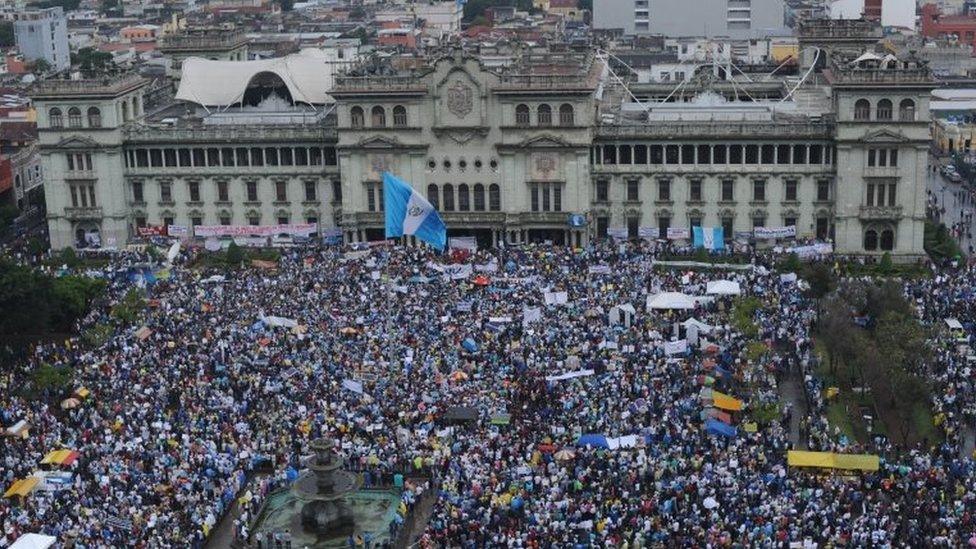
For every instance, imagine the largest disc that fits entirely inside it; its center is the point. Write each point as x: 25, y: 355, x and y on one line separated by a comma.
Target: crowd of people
x: 502, y: 377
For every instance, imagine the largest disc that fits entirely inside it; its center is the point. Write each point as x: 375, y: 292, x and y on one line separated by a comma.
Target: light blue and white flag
x: 407, y: 212
x: 710, y: 238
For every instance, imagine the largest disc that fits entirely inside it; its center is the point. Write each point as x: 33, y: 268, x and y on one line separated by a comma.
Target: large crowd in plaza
x: 177, y: 417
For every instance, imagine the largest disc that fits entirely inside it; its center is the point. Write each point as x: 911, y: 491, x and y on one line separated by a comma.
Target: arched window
x: 432, y: 196
x: 887, y: 240
x: 74, y: 117
x: 522, y: 115
x: 884, y: 109
x: 566, y: 115
x: 448, y: 197
x: 494, y: 197
x: 94, y: 117
x: 125, y: 111
x: 862, y: 110
x: 464, y: 198
x: 378, y: 117
x: 356, y: 117
x: 544, y: 113
x: 906, y: 110
x: 57, y: 121
x: 479, y: 197
x: 871, y: 240
x: 399, y: 116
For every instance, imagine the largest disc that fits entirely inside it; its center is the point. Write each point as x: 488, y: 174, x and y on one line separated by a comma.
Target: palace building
x: 540, y: 146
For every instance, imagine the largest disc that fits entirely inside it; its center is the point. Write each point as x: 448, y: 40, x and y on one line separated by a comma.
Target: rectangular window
x: 194, y: 187
x: 225, y: 220
x: 534, y: 191
x: 752, y: 154
x: 222, y: 194
x: 789, y: 221
x: 632, y: 227
x: 893, y: 158
x: 735, y: 154
x: 759, y: 190
x: 315, y: 156
x: 719, y: 154
x: 728, y: 190
x: 137, y: 191
x: 140, y: 222
x: 602, y: 224
x: 879, y: 191
x: 625, y: 155
x: 169, y: 158
x: 271, y: 156
x: 695, y: 190
x: 869, y: 200
x: 301, y: 156
x: 545, y: 198
x: 155, y: 158
x: 142, y: 158
x: 633, y: 190
x: 657, y: 154
x: 184, y: 158
x: 281, y: 191
x: 816, y: 154
x: 872, y: 158
x: 882, y: 157
x: 704, y: 154
x: 758, y: 221
x: 609, y: 154
x: 370, y: 198
x: 557, y: 198
x: 664, y: 190
x: 671, y: 154
x: 603, y: 191
x: 242, y: 156
x: 783, y: 154
x: 165, y: 192
x: 640, y: 154
x: 199, y: 157
x: 71, y: 162
x: 823, y: 227
x: 791, y: 185
x: 213, y: 157
x: 168, y: 221
x: 727, y: 233
x: 310, y: 191
x: 227, y: 157
x: 799, y: 154
x: 196, y: 221
x: 768, y: 154
x: 892, y: 189
x: 823, y: 190
x: 330, y: 157
x: 687, y: 154
x: 663, y: 224
x: 252, y: 191
x: 337, y: 191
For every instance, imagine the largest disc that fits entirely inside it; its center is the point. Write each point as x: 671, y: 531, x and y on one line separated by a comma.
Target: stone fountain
x: 323, y: 488
x: 324, y: 506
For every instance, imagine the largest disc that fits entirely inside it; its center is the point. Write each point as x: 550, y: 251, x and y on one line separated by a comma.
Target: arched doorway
x: 264, y: 86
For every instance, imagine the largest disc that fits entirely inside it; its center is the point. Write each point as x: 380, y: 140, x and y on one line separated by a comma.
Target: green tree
x: 127, y: 310
x: 41, y: 66
x: 92, y: 62
x: 7, y: 39
x: 24, y: 300
x: 234, y: 255
x: 8, y: 214
x: 71, y: 298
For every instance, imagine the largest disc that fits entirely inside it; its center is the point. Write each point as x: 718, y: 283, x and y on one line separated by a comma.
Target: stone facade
x: 505, y: 154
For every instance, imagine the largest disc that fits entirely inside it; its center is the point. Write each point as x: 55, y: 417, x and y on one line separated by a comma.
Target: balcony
x: 544, y: 217
x: 83, y: 213
x: 886, y: 171
x: 875, y: 213
x: 312, y: 132
x: 718, y: 129
x: 210, y: 41
x: 378, y: 84
x: 109, y: 85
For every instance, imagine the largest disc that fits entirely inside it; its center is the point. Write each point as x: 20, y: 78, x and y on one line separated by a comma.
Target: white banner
x: 556, y: 298
x: 678, y: 233
x: 813, y: 250
x: 469, y: 243
x: 649, y: 233
x: 570, y: 375
x: 619, y: 233
x: 293, y: 229
x: 787, y: 278
x: 530, y: 315
x: 457, y: 271
x: 768, y: 233
x: 178, y: 231
x: 675, y: 347
x: 499, y: 319
x: 491, y: 267
x: 599, y: 269
x: 353, y: 385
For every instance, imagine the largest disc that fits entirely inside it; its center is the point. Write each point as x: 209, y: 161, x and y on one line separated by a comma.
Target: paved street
x: 953, y: 200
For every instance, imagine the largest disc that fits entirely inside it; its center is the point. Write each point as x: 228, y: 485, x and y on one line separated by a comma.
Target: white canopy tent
x: 670, y: 300
x: 723, y: 287
x: 701, y: 326
x: 33, y: 541
x: 953, y: 324
x: 307, y: 75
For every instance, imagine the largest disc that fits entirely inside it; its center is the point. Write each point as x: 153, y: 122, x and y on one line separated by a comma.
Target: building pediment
x: 379, y: 142
x: 545, y: 141
x: 884, y: 136
x: 77, y: 142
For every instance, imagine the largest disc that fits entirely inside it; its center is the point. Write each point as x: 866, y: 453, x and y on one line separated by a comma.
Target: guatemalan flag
x: 710, y: 238
x: 407, y: 212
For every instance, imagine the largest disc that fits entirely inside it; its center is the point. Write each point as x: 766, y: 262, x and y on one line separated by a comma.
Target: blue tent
x: 469, y: 345
x: 716, y: 427
x: 594, y: 440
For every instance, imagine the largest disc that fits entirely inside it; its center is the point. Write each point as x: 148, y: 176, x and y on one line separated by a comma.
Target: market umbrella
x: 459, y: 376
x: 564, y: 455
x: 710, y: 503
x: 70, y: 403
x: 481, y: 280
x: 348, y: 330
